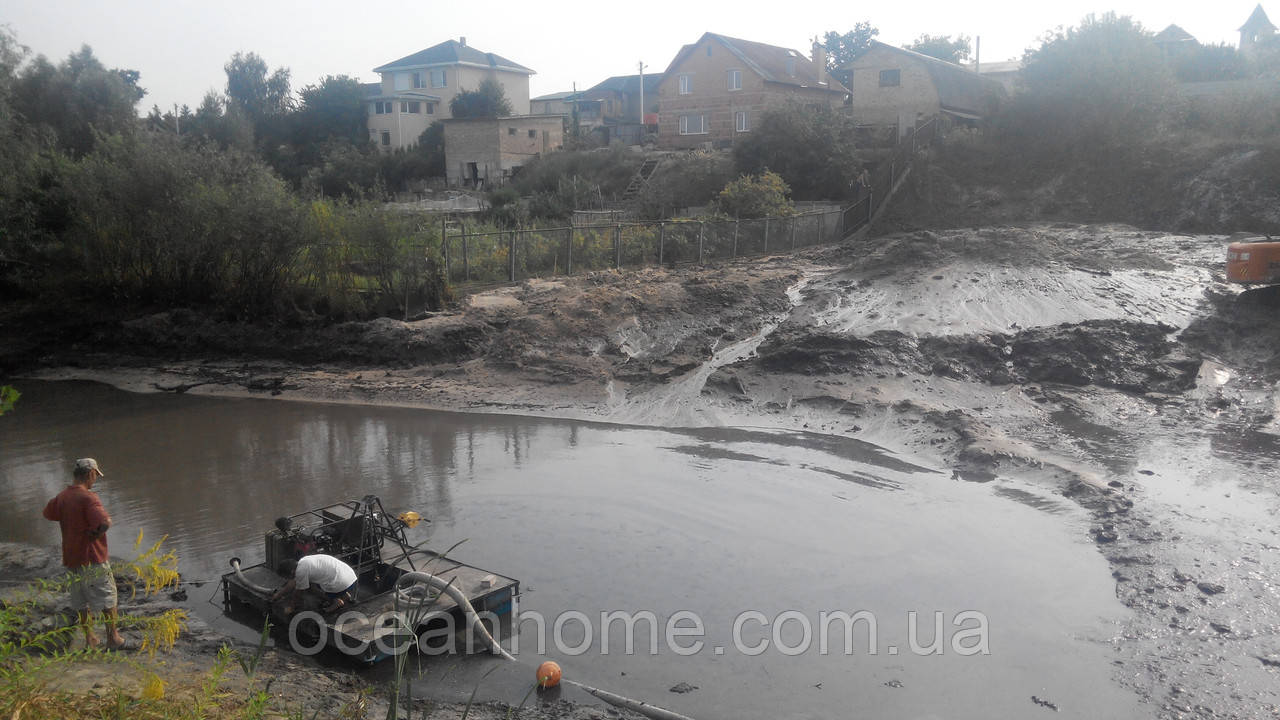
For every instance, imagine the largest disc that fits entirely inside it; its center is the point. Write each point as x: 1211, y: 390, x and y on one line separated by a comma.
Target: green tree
x: 78, y: 99
x: 842, y: 48
x: 943, y: 47
x: 332, y: 108
x: 812, y: 149
x: 488, y: 100
x: 1099, y: 88
x: 253, y: 90
x: 1202, y: 63
x: 755, y: 196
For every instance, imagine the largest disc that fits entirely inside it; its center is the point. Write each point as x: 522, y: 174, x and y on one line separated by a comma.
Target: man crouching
x: 319, y: 573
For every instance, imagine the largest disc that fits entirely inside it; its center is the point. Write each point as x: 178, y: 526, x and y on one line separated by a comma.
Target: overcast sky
x: 180, y: 46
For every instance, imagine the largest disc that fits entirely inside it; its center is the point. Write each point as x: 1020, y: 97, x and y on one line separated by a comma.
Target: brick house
x: 893, y: 86
x: 484, y: 153
x: 416, y: 89
x: 715, y: 89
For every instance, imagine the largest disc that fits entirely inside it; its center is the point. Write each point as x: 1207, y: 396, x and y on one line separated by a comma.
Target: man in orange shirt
x: 84, y: 523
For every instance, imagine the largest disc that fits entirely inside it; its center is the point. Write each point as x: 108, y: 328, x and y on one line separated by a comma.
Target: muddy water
x: 596, y: 518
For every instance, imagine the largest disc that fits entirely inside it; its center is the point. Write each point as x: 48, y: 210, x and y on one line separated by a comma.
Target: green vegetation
x: 1100, y: 130
x: 9, y: 396
x: 100, y: 210
x: 943, y: 47
x: 688, y: 180
x: 842, y: 48
x: 488, y: 100
x: 755, y: 196
x: 813, y: 149
x: 559, y: 183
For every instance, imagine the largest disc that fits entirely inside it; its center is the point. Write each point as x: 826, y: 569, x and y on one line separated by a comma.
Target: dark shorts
x: 332, y: 596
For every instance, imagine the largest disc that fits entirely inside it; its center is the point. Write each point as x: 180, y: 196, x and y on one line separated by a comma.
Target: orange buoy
x: 548, y: 674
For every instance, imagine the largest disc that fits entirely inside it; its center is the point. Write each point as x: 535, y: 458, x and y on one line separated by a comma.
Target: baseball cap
x: 84, y: 465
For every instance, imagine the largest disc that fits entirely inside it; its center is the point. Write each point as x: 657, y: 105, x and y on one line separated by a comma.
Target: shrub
x: 755, y: 196
x: 684, y: 181
x: 812, y: 148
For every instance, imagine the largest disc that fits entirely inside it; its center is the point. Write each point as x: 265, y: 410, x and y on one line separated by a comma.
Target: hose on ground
x: 405, y: 595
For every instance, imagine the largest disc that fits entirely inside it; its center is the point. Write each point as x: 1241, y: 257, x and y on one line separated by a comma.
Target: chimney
x: 462, y: 41
x: 820, y: 59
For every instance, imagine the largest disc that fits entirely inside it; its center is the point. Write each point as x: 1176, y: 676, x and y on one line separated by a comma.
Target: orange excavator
x: 1255, y: 263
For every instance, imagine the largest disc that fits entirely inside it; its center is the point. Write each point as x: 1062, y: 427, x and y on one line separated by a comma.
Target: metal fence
x: 474, y: 257
x: 514, y: 255
x: 873, y: 194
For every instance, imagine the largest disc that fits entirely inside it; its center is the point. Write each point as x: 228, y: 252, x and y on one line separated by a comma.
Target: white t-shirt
x: 326, y: 571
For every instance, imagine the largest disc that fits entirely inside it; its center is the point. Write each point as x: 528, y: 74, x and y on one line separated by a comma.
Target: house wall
x: 405, y: 128
x: 550, y: 107
x: 497, y: 146
x: 711, y: 97
x: 876, y: 105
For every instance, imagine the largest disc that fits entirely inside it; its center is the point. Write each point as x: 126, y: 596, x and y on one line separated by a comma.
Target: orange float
x: 548, y: 674
x: 1253, y: 262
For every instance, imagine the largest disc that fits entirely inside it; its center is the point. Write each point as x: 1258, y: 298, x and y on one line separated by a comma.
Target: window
x: 735, y: 79
x: 890, y: 78
x: 439, y: 78
x: 411, y: 107
x: 791, y: 66
x: 693, y: 124
x: 511, y: 131
x: 386, y: 138
x: 533, y: 133
x: 383, y: 108
x: 708, y: 51
x: 418, y: 81
x: 400, y: 81
x: 740, y: 121
x: 431, y: 108
x: 686, y: 84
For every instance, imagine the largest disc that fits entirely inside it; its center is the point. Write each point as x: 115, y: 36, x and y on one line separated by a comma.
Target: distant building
x: 715, y: 89
x: 1173, y: 39
x: 1256, y: 29
x: 893, y: 86
x: 416, y: 89
x: 1005, y: 72
x: 484, y: 153
x: 560, y: 103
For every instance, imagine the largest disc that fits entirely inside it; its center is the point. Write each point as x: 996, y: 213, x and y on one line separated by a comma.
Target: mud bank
x: 1109, y: 365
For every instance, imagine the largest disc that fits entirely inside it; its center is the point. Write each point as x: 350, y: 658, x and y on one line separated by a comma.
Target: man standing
x: 323, y: 573
x: 84, y: 524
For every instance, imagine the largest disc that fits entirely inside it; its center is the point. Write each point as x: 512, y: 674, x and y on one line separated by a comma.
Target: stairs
x: 641, y: 178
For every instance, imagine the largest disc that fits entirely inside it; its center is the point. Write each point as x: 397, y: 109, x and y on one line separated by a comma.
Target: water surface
x: 595, y: 518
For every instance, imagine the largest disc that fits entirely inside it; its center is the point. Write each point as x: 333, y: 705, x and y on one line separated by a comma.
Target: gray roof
x: 1258, y: 21
x: 959, y: 89
x: 553, y: 96
x: 628, y: 84
x: 1173, y: 34
x: 452, y: 52
x: 371, y: 89
x: 769, y: 62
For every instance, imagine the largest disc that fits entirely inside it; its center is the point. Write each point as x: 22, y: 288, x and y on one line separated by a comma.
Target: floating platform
x: 380, y: 619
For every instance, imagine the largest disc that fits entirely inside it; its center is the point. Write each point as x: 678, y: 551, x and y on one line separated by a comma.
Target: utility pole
x: 642, y: 67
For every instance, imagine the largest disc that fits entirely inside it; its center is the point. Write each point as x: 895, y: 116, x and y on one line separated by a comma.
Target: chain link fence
x: 497, y: 256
